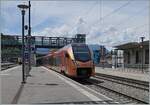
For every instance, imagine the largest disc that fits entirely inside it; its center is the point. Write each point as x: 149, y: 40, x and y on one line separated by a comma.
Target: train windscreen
x: 81, y: 53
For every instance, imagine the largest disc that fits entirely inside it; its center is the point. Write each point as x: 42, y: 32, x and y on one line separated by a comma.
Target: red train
x: 74, y: 60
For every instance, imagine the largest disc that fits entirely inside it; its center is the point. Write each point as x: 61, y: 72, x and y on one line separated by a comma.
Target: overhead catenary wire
x: 135, y: 28
x: 85, y: 14
x: 128, y: 17
x: 90, y: 9
x: 141, y: 26
x: 124, y: 21
x: 100, y: 11
x: 131, y: 17
x: 114, y: 11
x: 116, y: 43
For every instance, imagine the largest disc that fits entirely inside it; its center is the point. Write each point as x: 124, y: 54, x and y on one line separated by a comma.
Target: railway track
x: 7, y: 65
x: 130, y: 82
x: 120, y: 89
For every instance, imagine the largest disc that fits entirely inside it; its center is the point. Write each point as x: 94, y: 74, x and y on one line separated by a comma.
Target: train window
x: 57, y: 61
x: 81, y: 53
x: 82, y: 56
x: 67, y: 55
x: 146, y: 56
x: 50, y: 60
x: 80, y: 49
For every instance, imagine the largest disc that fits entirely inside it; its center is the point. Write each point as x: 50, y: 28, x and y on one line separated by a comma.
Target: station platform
x: 123, y: 73
x: 45, y: 86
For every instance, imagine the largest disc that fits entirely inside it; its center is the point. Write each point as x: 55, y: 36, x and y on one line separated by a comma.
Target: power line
x: 85, y: 14
x: 131, y: 17
x: 90, y: 9
x: 100, y: 11
x: 134, y: 28
x: 140, y: 26
x: 127, y: 18
x: 114, y: 11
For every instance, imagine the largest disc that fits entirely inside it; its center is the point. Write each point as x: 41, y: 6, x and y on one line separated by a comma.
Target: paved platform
x: 121, y: 73
x: 45, y: 87
x: 10, y: 83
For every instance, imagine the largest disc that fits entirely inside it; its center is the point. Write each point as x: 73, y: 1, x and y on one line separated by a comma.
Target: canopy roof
x: 131, y: 45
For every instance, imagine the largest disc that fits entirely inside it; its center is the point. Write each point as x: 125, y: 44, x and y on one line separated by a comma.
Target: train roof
x: 72, y: 44
x: 77, y: 44
x: 65, y: 48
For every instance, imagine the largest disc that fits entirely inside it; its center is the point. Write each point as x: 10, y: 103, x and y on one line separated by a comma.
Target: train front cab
x: 78, y: 62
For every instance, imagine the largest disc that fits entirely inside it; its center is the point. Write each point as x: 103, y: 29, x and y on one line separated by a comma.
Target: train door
x: 63, y: 63
x: 66, y: 63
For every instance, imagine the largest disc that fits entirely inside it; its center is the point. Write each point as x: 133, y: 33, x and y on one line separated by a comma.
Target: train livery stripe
x: 81, y: 90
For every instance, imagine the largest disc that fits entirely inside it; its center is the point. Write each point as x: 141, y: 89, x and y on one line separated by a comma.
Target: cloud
x: 65, y: 30
x: 53, y: 32
x: 67, y: 18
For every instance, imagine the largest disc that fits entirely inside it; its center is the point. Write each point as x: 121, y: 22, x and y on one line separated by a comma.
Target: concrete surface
x: 10, y: 83
x: 45, y: 87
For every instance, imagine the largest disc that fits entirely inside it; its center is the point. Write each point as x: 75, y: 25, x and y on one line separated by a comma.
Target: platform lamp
x: 23, y: 7
x: 141, y: 46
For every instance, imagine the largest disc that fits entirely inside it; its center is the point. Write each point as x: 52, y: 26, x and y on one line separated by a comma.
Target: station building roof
x: 131, y: 45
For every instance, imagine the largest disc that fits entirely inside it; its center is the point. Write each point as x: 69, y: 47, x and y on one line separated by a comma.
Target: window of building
x: 137, y: 57
x: 128, y: 59
x: 147, y: 56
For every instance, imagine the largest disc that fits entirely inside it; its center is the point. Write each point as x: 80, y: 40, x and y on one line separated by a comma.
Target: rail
x: 125, y: 86
x: 5, y: 66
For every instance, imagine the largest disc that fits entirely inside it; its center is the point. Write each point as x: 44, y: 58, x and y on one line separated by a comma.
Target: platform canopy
x: 131, y: 45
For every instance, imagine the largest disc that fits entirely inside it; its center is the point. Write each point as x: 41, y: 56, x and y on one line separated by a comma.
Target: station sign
x: 33, y: 48
x: 26, y: 47
x: 26, y: 55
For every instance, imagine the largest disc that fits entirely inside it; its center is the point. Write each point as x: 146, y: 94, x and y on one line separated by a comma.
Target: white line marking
x: 8, y: 70
x: 91, y: 90
x: 4, y: 74
x: 86, y: 93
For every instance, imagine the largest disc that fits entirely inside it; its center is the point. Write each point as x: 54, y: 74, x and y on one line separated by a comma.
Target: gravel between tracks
x: 118, y: 92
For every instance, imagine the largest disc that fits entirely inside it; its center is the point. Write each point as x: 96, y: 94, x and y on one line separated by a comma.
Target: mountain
x: 96, y: 47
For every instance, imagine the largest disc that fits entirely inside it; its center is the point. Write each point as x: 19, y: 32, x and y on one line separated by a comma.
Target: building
x: 96, y: 56
x: 99, y: 53
x: 79, y: 38
x: 134, y: 55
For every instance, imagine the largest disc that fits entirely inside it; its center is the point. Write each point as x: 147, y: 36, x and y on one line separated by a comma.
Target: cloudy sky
x: 106, y: 22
